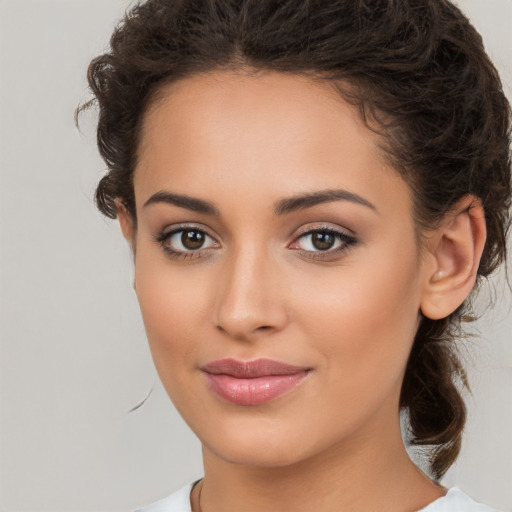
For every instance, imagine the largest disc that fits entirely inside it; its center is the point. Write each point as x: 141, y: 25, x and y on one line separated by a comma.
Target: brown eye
x: 186, y: 241
x: 323, y: 240
x: 192, y: 239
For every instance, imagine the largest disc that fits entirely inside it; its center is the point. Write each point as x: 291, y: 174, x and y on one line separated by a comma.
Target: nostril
x: 242, y: 333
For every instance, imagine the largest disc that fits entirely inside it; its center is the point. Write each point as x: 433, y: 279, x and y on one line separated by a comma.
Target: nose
x: 250, y: 298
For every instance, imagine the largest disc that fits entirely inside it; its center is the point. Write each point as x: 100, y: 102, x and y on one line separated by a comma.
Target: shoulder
x: 178, y: 501
x: 457, y: 501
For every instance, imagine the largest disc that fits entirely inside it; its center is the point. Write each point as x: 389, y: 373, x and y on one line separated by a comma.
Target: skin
x: 258, y: 287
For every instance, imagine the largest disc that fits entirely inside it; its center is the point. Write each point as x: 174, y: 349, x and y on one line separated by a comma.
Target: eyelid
x: 337, y: 230
x: 174, y: 229
x: 347, y: 241
x: 324, y: 226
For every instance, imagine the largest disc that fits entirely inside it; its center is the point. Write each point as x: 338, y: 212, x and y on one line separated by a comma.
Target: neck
x: 369, y: 473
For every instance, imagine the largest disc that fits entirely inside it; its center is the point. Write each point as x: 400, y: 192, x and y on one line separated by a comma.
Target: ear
x: 454, y: 250
x: 125, y: 221
x: 127, y: 226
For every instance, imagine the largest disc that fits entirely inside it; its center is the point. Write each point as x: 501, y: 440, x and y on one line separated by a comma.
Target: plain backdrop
x: 73, y: 354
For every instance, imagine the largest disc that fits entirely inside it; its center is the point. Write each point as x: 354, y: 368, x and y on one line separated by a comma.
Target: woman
x: 311, y: 191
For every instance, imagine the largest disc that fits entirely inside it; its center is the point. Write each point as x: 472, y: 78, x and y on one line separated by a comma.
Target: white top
x: 454, y: 501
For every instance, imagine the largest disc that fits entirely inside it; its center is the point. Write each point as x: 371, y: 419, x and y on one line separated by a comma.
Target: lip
x: 252, y: 382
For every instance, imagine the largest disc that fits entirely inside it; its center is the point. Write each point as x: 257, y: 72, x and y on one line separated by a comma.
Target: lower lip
x: 255, y: 391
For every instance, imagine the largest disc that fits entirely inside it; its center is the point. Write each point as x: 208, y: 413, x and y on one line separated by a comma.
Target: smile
x: 252, y: 382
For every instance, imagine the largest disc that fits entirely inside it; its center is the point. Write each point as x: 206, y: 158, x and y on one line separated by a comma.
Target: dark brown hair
x: 420, y: 76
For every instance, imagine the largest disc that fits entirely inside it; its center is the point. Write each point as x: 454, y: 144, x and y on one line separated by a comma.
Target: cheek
x: 171, y: 307
x: 364, y: 321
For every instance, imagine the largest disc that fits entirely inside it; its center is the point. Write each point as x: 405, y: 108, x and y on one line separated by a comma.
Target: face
x: 276, y: 266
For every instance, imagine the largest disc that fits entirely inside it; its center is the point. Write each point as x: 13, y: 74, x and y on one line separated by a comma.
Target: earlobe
x: 455, y: 252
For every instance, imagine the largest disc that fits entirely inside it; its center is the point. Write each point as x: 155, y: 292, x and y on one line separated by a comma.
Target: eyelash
x: 346, y: 242
x: 165, y: 236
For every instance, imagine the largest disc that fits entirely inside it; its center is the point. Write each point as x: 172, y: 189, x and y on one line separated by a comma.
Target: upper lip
x: 251, y: 369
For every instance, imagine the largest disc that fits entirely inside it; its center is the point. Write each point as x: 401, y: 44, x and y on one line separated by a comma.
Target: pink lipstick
x: 252, y: 382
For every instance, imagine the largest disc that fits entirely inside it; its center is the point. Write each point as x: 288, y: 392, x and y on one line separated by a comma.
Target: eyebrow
x: 304, y: 201
x: 282, y: 207
x: 190, y: 203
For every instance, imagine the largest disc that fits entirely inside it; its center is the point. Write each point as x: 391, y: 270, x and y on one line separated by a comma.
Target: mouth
x: 252, y: 382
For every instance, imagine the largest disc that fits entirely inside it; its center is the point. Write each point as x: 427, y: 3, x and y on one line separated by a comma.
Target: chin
x: 259, y: 446
x: 258, y: 456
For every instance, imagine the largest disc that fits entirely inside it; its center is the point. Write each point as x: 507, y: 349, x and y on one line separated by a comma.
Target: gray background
x: 73, y: 355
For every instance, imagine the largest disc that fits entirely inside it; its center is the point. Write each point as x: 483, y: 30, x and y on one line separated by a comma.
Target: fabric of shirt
x: 454, y: 501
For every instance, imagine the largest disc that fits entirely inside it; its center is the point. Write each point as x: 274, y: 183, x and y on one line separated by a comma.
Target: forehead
x: 294, y: 106
x: 274, y: 131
